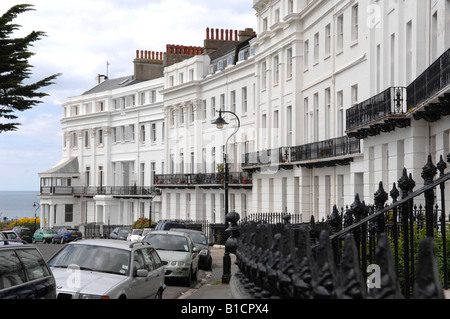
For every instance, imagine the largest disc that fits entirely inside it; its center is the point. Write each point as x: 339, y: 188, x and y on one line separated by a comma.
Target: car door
x: 39, y: 275
x: 194, y: 254
x: 13, y: 282
x: 138, y: 288
x: 38, y: 235
x: 155, y: 274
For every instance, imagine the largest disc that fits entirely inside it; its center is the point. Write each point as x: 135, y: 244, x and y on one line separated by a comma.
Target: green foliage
x: 142, y: 223
x: 419, y: 233
x: 15, y: 69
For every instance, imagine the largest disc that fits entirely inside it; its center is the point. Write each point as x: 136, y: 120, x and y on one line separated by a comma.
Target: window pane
x: 11, y: 273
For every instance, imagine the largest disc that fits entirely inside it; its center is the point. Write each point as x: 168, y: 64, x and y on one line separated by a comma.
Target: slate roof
x: 112, y: 84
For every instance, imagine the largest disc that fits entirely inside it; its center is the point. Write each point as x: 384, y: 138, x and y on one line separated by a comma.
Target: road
x: 174, y: 288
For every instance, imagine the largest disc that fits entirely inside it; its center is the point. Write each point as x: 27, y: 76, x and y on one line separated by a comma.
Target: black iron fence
x: 98, y: 230
x: 379, y: 251
x: 215, y: 232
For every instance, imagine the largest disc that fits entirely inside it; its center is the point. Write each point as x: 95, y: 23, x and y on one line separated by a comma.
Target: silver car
x: 108, y: 269
x: 178, y: 252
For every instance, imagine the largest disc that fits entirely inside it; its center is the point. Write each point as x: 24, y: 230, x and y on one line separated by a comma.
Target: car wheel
x: 159, y: 294
x: 209, y: 266
x: 188, y: 279
x: 194, y: 275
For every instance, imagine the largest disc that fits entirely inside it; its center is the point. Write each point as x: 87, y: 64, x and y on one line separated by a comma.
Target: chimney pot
x: 207, y: 33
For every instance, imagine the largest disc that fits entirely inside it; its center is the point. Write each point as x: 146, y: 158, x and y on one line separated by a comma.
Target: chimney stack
x: 216, y: 38
x: 148, y: 65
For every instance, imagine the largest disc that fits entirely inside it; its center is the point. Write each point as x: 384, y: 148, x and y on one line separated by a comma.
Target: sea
x: 18, y: 204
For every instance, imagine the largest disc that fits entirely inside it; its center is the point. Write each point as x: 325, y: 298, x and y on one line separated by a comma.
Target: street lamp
x: 220, y: 123
x: 37, y: 207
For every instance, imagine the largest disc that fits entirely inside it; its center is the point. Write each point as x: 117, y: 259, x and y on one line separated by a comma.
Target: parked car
x: 167, y: 225
x: 44, y: 235
x: 25, y: 234
x: 108, y: 269
x: 24, y: 273
x: 135, y: 235
x: 120, y: 233
x: 178, y: 252
x: 200, y: 240
x: 147, y: 231
x: 11, y: 235
x: 66, y: 234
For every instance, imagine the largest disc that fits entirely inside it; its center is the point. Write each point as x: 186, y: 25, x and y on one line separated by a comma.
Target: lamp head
x: 220, y: 122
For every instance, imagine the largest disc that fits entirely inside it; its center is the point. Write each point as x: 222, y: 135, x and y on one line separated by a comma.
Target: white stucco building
x: 332, y: 97
x: 113, y: 143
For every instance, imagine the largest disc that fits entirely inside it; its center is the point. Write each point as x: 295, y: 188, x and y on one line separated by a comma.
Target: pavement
x: 211, y: 286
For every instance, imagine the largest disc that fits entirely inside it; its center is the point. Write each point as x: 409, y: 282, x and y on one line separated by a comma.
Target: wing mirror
x: 141, y: 273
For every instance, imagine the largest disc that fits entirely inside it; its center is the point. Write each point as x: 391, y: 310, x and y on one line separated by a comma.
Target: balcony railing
x: 104, y: 190
x: 387, y: 103
x: 325, y: 150
x: 207, y: 179
x: 430, y: 82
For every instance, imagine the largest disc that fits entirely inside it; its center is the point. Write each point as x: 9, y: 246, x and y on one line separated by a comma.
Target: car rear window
x: 168, y: 242
x: 11, y: 272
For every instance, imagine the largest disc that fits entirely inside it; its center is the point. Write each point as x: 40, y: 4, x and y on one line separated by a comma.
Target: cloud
x: 82, y: 35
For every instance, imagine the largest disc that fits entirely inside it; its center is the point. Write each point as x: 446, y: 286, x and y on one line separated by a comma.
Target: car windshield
x: 199, y: 238
x: 71, y: 230
x: 94, y: 258
x: 137, y: 232
x: 168, y: 242
x: 124, y: 231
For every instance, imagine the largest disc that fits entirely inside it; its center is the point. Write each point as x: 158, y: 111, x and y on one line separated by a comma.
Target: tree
x: 15, y: 95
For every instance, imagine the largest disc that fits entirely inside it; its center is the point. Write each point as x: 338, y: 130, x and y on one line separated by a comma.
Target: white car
x: 178, y: 252
x: 135, y: 235
x: 108, y: 269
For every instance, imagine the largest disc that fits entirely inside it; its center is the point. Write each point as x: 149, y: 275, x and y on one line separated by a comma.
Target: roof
x: 122, y: 244
x: 68, y: 167
x: 187, y: 230
x: 224, y: 50
x: 112, y: 84
x: 167, y: 232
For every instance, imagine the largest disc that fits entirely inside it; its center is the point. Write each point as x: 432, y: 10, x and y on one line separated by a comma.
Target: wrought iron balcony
x: 381, y: 113
x: 331, y: 152
x: 429, y: 94
x: 117, y: 191
x: 204, y: 180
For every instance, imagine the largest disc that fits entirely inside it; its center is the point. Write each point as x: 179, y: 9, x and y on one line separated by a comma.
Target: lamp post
x: 37, y: 207
x: 220, y: 123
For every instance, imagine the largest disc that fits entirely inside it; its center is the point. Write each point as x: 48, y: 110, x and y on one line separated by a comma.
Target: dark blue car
x: 24, y: 274
x: 65, y: 234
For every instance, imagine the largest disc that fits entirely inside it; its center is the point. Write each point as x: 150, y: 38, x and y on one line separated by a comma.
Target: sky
x: 81, y: 37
